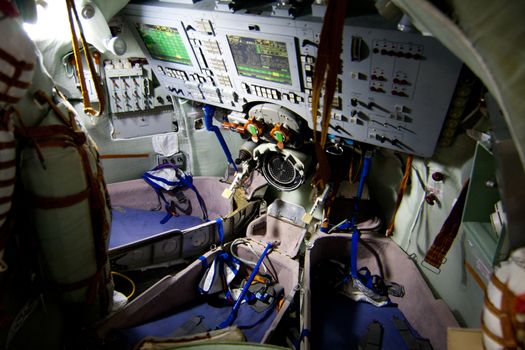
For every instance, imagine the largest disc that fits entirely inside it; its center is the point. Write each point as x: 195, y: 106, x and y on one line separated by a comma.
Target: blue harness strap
x: 220, y: 230
x: 204, y: 262
x: 158, y: 189
x: 353, y: 252
x: 209, y: 111
x: 355, y: 232
x: 233, y: 314
x: 222, y: 260
x: 184, y: 181
x: 305, y: 333
x: 364, y: 173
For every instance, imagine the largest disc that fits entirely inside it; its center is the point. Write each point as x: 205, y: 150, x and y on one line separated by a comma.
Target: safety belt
x: 235, y: 310
x: 169, y: 177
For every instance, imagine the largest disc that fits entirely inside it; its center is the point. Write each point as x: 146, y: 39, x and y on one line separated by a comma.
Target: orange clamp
x: 255, y: 128
x: 280, y: 134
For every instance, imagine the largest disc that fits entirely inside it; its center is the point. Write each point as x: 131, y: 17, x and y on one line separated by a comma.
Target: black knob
x: 244, y: 155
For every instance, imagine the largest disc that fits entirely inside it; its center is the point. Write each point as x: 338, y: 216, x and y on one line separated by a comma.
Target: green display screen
x: 261, y: 59
x: 164, y: 43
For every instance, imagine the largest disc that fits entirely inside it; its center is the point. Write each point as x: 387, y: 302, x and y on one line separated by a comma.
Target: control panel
x: 129, y: 86
x: 394, y: 89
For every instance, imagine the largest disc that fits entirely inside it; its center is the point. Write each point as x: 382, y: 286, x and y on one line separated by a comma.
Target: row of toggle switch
x: 273, y: 94
x: 409, y: 55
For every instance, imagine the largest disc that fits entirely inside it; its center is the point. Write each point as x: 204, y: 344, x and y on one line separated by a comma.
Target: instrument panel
x: 394, y: 89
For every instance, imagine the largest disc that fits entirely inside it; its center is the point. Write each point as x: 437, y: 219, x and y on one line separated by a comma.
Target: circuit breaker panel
x: 394, y: 89
x: 129, y: 86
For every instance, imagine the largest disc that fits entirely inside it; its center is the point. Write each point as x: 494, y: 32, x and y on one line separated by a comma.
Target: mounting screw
x: 88, y: 11
x: 431, y: 198
x: 437, y: 176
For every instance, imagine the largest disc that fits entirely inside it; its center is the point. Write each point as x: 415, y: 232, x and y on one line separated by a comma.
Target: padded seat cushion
x: 131, y: 225
x: 252, y: 323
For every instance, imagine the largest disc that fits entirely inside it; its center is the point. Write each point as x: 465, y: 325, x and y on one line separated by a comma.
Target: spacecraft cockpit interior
x: 307, y: 174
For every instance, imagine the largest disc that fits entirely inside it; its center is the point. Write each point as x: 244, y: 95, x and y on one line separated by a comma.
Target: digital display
x: 261, y: 59
x: 164, y: 43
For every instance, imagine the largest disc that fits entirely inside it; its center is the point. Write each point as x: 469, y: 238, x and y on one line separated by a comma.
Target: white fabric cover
x: 512, y: 274
x: 165, y: 144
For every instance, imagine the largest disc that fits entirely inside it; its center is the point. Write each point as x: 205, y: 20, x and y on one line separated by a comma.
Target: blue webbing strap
x: 304, y: 333
x: 202, y: 204
x: 158, y: 190
x: 221, y: 259
x: 209, y: 111
x: 220, y: 230
x: 229, y: 260
x: 185, y: 180
x: 344, y: 225
x: 353, y: 253
x: 233, y: 314
x: 204, y: 262
x: 355, y: 232
x: 324, y: 229
x: 160, y: 179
